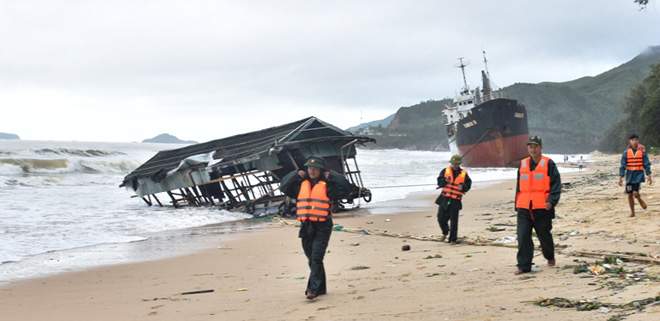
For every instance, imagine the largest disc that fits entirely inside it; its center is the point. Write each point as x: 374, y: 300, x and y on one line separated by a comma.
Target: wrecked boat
x: 485, y: 127
x: 243, y: 172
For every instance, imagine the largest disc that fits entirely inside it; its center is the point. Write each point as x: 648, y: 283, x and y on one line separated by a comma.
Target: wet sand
x: 260, y: 274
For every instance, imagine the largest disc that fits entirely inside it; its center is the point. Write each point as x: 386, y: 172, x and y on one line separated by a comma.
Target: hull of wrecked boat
x: 493, y: 134
x: 502, y: 152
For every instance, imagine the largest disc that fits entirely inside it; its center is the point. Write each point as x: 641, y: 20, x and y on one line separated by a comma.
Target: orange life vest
x: 451, y: 189
x: 313, y: 203
x: 534, y: 185
x: 635, y: 160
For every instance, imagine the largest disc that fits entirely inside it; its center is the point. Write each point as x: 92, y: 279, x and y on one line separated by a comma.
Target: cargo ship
x: 485, y: 127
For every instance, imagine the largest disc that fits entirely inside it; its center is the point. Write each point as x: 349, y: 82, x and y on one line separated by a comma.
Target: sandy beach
x: 260, y: 274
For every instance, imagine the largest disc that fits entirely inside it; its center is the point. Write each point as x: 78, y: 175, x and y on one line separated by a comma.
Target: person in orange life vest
x: 454, y: 182
x: 537, y: 193
x: 634, y: 162
x: 315, y: 190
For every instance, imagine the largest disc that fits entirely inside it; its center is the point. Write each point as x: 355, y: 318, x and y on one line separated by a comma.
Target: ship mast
x: 487, y: 91
x: 462, y: 65
x: 486, y: 64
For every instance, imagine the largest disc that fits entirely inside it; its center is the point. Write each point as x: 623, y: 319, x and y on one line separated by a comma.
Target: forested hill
x: 572, y: 116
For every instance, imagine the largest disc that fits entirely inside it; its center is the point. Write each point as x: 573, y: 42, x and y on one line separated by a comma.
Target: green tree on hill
x: 641, y: 115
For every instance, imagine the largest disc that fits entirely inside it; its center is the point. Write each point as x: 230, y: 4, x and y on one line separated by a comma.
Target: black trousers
x: 448, y: 215
x: 315, y: 238
x: 542, y: 224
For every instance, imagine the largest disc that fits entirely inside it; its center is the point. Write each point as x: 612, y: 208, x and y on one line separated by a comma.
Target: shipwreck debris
x: 243, y: 172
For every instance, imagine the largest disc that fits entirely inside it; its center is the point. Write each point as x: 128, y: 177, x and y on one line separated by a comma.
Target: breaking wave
x: 77, y: 152
x: 27, y: 165
x: 18, y: 166
x: 52, y: 163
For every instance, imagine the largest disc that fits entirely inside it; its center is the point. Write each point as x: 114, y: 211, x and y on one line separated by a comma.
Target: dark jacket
x: 634, y: 177
x: 338, y: 186
x: 449, y: 203
x: 555, y: 186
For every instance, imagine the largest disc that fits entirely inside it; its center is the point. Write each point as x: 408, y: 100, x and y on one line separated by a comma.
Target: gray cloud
x: 129, y: 70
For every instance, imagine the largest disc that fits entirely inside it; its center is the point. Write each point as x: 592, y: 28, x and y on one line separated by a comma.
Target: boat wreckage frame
x: 243, y: 172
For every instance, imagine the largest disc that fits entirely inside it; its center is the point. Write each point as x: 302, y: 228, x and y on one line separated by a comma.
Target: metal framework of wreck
x: 243, y: 172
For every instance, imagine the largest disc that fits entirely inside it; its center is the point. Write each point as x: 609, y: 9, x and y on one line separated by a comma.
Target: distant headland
x: 8, y: 136
x: 168, y: 139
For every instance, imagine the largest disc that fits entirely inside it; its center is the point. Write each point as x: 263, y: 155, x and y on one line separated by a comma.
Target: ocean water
x: 63, y: 209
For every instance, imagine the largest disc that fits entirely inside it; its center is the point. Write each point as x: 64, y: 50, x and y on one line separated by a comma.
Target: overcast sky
x: 123, y: 71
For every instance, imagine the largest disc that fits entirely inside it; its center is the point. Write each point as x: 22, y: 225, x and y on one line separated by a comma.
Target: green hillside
x: 422, y: 125
x: 571, y: 116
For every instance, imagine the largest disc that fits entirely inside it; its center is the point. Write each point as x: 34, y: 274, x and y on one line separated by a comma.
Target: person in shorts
x: 634, y: 163
x: 581, y: 163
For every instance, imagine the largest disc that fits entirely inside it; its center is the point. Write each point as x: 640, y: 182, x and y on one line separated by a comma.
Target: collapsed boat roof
x: 243, y: 171
x: 234, y: 150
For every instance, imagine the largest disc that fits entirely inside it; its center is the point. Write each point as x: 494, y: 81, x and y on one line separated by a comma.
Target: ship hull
x: 493, y: 134
x: 505, y: 152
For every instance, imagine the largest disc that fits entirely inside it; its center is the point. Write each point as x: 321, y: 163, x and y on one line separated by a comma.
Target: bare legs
x: 631, y: 202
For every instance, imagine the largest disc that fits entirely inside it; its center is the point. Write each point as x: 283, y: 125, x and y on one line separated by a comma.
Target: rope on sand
x: 399, y: 186
x: 479, y: 241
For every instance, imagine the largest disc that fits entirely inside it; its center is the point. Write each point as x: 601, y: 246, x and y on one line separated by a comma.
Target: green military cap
x: 456, y: 159
x: 314, y: 161
x: 535, y: 140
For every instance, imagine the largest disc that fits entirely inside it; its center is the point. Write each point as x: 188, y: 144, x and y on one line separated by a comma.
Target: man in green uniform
x: 455, y: 182
x: 537, y: 193
x: 315, y: 190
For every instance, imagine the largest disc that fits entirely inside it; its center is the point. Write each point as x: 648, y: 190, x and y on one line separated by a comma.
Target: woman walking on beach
x: 537, y: 193
x: 634, y: 162
x: 316, y: 191
x: 454, y: 182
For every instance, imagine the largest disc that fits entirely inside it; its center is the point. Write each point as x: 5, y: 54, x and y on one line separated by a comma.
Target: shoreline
x: 158, y: 245
x: 155, y: 246
x: 261, y: 274
x: 152, y: 248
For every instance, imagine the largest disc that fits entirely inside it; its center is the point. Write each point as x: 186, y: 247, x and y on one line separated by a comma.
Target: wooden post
x: 292, y: 160
x: 189, y: 196
x: 205, y: 191
x: 146, y: 200
x: 228, y: 192
x: 173, y: 199
x: 157, y: 200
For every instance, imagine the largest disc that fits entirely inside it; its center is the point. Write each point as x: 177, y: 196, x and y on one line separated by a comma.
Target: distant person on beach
x: 315, y: 190
x: 634, y: 162
x: 537, y: 193
x: 455, y: 182
x: 580, y: 163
